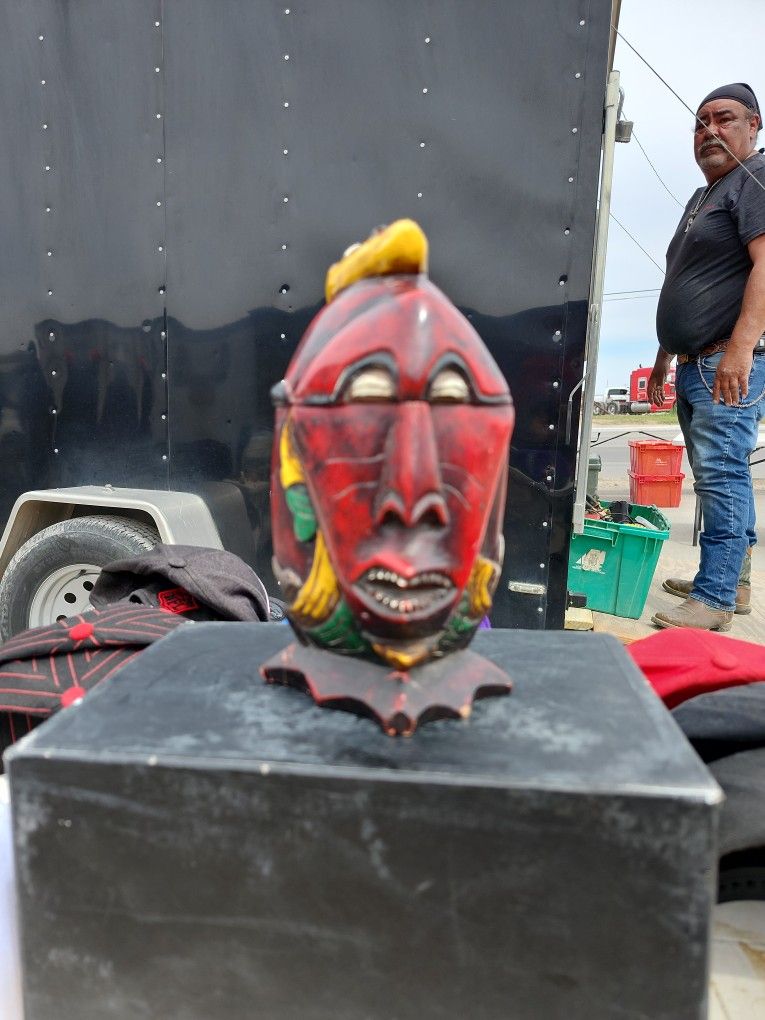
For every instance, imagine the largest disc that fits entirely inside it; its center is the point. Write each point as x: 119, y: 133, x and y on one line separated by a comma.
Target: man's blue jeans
x: 718, y: 440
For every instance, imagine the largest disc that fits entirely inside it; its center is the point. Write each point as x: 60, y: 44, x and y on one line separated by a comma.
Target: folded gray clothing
x: 209, y: 584
x: 727, y: 730
x: 742, y: 822
x: 721, y: 723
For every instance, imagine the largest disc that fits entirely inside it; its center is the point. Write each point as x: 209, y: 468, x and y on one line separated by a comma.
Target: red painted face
x: 401, y: 421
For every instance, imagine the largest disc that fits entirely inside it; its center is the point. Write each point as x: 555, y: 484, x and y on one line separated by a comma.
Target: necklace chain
x: 708, y: 191
x: 702, y: 198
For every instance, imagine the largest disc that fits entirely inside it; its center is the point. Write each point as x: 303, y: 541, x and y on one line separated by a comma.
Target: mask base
x: 398, y: 701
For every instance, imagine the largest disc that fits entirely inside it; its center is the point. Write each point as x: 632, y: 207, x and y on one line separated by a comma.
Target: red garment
x: 682, y: 662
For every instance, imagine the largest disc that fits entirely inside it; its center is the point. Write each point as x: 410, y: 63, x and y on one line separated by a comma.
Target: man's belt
x: 715, y: 348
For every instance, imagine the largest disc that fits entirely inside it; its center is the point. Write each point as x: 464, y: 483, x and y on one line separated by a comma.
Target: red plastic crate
x: 656, y: 490
x: 652, y: 457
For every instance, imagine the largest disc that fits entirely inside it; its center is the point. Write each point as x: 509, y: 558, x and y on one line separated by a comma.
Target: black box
x: 194, y: 844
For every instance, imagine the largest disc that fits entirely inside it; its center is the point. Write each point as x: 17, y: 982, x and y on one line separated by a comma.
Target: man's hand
x: 732, y: 377
x: 656, y: 382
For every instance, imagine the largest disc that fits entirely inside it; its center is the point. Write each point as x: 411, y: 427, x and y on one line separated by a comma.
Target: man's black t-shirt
x: 708, y: 265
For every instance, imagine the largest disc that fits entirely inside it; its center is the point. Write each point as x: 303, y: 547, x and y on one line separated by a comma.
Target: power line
x: 641, y: 290
x: 681, y: 100
x: 630, y: 297
x: 635, y: 240
x: 673, y: 197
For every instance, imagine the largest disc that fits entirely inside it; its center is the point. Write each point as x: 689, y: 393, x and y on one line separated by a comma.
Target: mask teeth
x: 390, y: 577
x: 437, y: 579
x: 409, y: 605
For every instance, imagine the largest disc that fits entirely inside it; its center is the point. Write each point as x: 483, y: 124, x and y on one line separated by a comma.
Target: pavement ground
x: 679, y: 558
x: 737, y: 979
x: 737, y: 972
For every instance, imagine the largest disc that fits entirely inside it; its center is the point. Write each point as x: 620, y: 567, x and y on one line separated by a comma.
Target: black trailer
x: 177, y: 176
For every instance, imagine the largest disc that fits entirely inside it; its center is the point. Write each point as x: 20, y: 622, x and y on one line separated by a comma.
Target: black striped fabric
x: 47, y: 668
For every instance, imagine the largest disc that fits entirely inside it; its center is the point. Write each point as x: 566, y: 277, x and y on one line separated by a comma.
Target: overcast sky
x: 695, y: 47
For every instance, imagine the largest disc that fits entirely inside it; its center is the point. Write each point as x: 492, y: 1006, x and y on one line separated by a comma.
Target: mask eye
x: 449, y: 387
x: 371, y: 384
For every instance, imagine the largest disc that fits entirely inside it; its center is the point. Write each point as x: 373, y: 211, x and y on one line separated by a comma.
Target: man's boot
x: 682, y: 588
x: 693, y: 613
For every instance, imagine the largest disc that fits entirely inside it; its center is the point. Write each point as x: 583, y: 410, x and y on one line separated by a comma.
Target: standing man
x: 711, y: 314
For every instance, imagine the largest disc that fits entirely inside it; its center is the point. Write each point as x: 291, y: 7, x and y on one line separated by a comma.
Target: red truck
x: 635, y: 400
x: 639, y: 389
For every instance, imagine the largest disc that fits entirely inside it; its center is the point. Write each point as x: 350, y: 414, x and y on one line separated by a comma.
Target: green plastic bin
x: 614, y: 564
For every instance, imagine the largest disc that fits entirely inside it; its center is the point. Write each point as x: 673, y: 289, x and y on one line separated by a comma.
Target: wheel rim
x: 65, y: 592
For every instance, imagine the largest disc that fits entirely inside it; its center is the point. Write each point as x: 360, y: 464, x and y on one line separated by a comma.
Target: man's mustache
x: 711, y: 143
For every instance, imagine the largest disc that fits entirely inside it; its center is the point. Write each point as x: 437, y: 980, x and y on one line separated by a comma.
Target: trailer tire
x: 51, y: 575
x: 612, y: 409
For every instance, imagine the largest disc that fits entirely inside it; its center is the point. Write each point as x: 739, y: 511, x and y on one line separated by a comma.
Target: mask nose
x: 410, y: 487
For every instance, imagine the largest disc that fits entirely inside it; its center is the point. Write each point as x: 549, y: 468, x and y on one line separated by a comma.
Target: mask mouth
x: 397, y: 597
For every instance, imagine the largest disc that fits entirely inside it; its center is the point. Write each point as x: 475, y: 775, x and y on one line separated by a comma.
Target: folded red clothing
x: 683, y: 662
x: 47, y: 668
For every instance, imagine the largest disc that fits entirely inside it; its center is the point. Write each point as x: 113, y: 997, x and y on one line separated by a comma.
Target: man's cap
x: 739, y: 91
x: 203, y: 584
